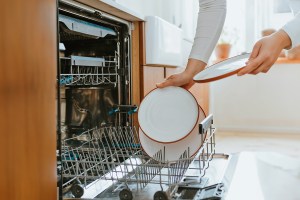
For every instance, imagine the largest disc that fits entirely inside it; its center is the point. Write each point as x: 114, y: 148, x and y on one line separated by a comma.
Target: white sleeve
x: 292, y: 28
x: 210, y: 23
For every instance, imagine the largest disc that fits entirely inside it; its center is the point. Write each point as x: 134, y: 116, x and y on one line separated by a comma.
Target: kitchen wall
x: 182, y: 13
x: 262, y: 103
x: 266, y: 102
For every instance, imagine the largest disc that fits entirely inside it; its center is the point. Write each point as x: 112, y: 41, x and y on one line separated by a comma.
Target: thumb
x: 255, y: 50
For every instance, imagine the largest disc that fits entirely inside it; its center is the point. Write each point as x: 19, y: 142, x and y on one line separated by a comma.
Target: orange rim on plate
x: 223, y: 75
x: 180, y: 138
x: 192, y: 153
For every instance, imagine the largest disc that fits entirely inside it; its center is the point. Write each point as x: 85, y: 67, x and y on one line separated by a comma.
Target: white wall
x: 263, y: 103
x: 145, y: 7
x: 182, y: 13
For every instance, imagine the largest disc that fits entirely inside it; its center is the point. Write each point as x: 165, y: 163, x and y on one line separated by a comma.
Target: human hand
x: 265, y: 53
x: 185, y: 78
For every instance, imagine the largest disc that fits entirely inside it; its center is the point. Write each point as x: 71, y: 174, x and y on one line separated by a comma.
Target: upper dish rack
x: 81, y: 71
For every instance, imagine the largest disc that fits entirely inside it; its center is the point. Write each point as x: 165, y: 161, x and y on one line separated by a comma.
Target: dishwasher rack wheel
x: 160, y: 195
x: 77, y: 190
x: 125, y: 194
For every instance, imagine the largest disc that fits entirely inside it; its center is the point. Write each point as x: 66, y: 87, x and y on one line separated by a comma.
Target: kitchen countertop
x: 113, y: 8
x: 287, y: 61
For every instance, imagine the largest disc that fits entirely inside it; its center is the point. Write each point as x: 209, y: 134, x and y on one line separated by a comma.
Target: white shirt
x: 210, y: 23
x: 292, y: 28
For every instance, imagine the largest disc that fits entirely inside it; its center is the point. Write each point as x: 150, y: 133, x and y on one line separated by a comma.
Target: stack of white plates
x: 169, y: 119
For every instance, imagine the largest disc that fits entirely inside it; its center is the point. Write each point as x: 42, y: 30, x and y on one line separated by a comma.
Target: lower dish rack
x: 112, y: 157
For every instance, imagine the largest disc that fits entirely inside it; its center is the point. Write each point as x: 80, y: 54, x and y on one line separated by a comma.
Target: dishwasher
x: 99, y: 155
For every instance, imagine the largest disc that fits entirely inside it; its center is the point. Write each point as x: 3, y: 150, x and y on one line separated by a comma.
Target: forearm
x: 211, y: 19
x: 194, y: 66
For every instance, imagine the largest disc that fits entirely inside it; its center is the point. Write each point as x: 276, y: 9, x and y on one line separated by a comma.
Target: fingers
x: 262, y: 68
x: 262, y: 63
x: 170, y: 81
x: 254, y: 60
x: 166, y: 83
x: 251, y: 66
x: 180, y: 79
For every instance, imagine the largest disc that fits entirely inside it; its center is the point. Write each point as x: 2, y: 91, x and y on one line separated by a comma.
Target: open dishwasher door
x: 121, y: 169
x: 262, y: 176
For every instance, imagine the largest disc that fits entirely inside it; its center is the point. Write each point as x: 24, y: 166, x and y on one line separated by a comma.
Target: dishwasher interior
x: 99, y: 154
x: 94, y: 76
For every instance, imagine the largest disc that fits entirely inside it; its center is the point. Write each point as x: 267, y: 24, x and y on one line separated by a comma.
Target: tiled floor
x: 288, y: 144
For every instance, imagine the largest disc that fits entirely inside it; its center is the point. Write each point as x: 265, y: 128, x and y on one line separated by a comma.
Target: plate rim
x: 198, y: 111
x: 223, y: 75
x: 193, y: 154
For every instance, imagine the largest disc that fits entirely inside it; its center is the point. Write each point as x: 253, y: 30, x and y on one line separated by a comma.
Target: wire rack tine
x: 115, y: 154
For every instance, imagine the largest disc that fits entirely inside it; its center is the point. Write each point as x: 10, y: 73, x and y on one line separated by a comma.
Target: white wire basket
x: 113, y: 155
x: 91, y: 71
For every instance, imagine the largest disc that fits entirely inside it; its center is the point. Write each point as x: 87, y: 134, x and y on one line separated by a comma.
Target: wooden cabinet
x: 27, y: 100
x: 201, y: 92
x: 152, y: 75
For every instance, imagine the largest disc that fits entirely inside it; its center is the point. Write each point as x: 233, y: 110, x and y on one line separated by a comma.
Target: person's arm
x: 292, y: 28
x: 266, y: 51
x: 210, y: 22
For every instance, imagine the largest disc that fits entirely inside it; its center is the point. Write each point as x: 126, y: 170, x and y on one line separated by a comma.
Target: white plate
x: 222, y: 69
x: 169, y: 114
x: 173, y: 151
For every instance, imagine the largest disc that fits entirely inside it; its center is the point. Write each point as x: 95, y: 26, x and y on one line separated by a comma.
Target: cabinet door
x: 152, y: 75
x: 199, y: 90
x: 27, y: 100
